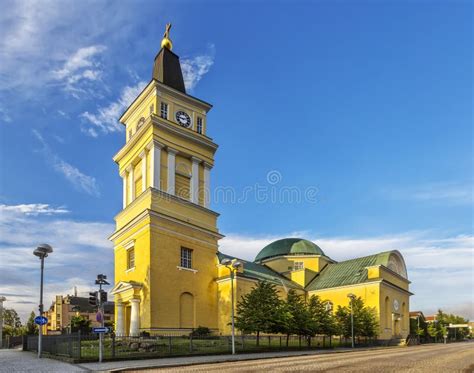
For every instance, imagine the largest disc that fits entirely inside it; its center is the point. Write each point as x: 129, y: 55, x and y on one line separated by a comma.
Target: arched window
x: 388, y: 313
x: 328, y: 305
x: 186, y: 310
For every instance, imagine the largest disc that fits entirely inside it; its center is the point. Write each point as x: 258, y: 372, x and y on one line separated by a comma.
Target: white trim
x: 187, y: 269
x: 171, y: 170
x: 129, y: 244
x: 142, y: 155
x: 195, y: 180
x: 130, y: 270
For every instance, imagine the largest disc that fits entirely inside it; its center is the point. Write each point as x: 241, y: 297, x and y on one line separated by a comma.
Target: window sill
x: 186, y: 269
x: 130, y: 270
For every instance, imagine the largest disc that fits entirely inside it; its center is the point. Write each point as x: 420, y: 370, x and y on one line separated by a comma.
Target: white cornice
x: 143, y: 95
x: 183, y: 132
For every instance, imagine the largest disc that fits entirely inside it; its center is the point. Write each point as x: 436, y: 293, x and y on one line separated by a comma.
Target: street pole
x: 232, y: 312
x: 351, y: 297
x: 41, y: 252
x: 40, y: 327
x: 232, y: 265
x: 102, y: 322
x: 2, y: 299
x: 352, y: 324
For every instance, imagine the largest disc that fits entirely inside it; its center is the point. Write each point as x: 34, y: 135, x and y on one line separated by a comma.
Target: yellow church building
x: 168, y: 271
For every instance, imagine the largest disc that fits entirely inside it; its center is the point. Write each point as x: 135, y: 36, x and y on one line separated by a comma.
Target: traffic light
x: 93, y: 298
x: 103, y: 297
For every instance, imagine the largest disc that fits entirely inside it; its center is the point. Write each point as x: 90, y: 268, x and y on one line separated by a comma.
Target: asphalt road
x: 456, y: 357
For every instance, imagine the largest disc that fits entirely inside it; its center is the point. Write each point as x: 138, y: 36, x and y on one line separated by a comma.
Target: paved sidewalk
x: 192, y: 360
x: 24, y: 361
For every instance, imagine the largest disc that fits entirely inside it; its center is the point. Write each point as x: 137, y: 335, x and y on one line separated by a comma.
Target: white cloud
x: 195, y: 68
x: 79, y: 69
x: 4, y: 116
x: 81, y: 251
x: 32, y: 209
x: 440, y: 268
x: 451, y: 193
x: 79, y: 180
x: 105, y: 120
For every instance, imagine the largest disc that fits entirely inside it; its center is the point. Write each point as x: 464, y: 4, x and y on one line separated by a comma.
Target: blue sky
x: 367, y: 103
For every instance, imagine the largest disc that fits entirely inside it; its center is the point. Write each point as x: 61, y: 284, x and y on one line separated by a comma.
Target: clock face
x: 183, y: 119
x: 396, y: 305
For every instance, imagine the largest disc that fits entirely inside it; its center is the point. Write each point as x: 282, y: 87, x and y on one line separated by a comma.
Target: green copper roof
x: 261, y: 272
x: 289, y: 246
x: 349, y: 272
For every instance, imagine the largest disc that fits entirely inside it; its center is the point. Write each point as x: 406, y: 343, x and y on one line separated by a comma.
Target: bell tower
x: 166, y: 237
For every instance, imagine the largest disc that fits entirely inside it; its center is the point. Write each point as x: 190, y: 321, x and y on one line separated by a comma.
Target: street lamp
x: 41, y: 252
x: 352, y: 297
x: 232, y: 265
x: 2, y: 299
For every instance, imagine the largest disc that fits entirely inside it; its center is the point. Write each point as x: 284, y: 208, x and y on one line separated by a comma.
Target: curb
x: 236, y: 359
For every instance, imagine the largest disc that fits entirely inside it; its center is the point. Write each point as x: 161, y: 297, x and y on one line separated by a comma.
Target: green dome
x: 288, y: 246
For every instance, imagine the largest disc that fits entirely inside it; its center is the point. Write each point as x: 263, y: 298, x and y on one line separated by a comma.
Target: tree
x: 80, y: 323
x: 11, y: 318
x: 365, y: 320
x: 321, y: 317
x: 31, y: 327
x: 432, y: 331
x: 260, y: 310
x: 296, y: 318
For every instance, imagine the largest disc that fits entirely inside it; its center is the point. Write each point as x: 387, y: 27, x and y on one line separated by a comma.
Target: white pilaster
x: 120, y: 327
x: 195, y: 180
x: 207, y: 184
x: 142, y: 155
x: 171, y: 170
x: 155, y: 163
x: 131, y: 184
x: 135, y: 317
x: 123, y: 175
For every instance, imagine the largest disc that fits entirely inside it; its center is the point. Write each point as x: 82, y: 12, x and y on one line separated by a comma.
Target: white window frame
x: 164, y: 110
x: 186, y: 259
x: 129, y: 251
x: 199, y: 125
x: 298, y: 266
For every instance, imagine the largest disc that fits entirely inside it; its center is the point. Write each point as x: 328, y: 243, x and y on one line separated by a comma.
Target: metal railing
x: 86, y: 347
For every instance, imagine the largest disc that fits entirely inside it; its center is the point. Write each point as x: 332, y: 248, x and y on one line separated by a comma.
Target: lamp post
x: 352, y: 297
x: 41, y: 252
x: 232, y: 265
x: 2, y: 299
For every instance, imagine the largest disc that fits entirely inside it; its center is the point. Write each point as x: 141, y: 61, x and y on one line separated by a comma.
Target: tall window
x: 186, y: 257
x: 299, y: 265
x: 199, y: 125
x: 164, y: 110
x: 131, y: 258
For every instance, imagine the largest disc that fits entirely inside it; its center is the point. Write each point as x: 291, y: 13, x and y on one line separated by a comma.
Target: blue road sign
x: 41, y: 320
x: 100, y: 330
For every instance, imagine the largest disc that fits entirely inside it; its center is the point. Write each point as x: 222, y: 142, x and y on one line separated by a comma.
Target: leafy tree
x: 432, y: 331
x: 260, y: 311
x: 365, y: 320
x: 80, y: 323
x: 11, y: 318
x: 31, y: 327
x: 321, y: 318
x: 296, y: 318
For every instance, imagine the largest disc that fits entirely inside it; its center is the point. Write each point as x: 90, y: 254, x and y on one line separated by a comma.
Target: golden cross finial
x: 167, y: 31
x: 166, y: 42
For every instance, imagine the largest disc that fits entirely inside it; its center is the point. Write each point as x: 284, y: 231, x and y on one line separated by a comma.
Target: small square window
x: 299, y: 265
x: 186, y: 257
x: 164, y: 110
x: 131, y: 258
x: 199, y: 125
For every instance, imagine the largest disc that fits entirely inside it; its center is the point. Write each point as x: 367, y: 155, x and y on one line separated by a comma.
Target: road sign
x: 100, y: 330
x: 458, y: 326
x: 98, y: 316
x: 41, y: 320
